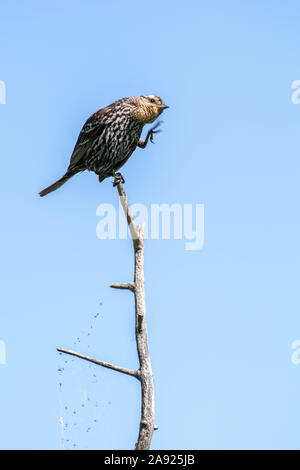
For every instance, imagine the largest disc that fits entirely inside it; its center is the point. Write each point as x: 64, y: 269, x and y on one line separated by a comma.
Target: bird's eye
x: 152, y: 100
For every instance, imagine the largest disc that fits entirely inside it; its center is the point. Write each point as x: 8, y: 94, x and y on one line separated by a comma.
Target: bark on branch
x: 144, y: 373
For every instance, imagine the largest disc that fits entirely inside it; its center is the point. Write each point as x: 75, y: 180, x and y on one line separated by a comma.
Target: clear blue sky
x: 221, y: 320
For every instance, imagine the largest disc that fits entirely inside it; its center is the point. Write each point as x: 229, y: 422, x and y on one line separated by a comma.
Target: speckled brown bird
x: 110, y: 136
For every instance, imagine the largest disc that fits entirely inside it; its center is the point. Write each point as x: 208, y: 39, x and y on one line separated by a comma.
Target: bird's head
x: 147, y: 108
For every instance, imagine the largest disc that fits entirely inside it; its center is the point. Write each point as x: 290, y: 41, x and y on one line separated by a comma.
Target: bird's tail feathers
x: 57, y: 183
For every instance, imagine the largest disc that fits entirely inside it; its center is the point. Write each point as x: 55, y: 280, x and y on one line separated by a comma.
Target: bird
x: 110, y: 136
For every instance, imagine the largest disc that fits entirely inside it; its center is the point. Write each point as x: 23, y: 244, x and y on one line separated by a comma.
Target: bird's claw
x: 154, y: 130
x: 118, y: 178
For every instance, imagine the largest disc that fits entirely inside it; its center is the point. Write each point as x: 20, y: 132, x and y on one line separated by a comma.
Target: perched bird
x: 110, y: 136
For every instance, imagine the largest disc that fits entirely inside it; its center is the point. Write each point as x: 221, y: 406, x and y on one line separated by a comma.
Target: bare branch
x: 127, y: 285
x: 130, y: 220
x: 147, y: 424
x: 134, y: 373
x: 144, y: 373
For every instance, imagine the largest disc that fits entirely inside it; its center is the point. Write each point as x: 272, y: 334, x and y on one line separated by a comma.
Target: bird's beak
x: 162, y: 106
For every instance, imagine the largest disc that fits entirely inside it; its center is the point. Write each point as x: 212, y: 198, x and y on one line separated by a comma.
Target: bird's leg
x: 118, y: 178
x: 143, y: 143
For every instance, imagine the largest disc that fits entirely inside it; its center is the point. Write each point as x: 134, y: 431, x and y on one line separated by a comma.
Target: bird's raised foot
x: 118, y: 178
x: 154, y: 130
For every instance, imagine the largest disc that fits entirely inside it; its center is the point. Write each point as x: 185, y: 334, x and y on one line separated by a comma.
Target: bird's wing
x: 92, y: 129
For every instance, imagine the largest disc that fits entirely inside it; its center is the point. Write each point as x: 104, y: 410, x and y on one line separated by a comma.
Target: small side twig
x: 127, y: 285
x: 108, y: 365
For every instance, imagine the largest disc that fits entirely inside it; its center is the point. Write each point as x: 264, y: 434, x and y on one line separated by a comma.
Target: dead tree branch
x: 144, y: 373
